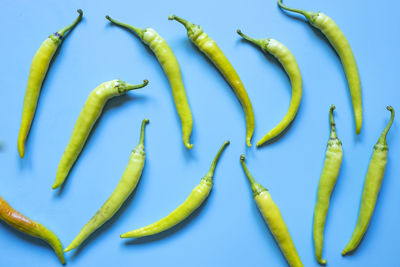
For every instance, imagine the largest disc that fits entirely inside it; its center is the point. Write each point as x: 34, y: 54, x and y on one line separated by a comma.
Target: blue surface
x: 228, y: 230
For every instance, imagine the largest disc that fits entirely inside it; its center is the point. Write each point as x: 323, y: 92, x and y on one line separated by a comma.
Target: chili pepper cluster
x: 130, y: 177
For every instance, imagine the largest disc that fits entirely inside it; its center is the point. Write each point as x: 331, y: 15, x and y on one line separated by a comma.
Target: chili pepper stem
x: 216, y: 158
x: 382, y: 139
x: 252, y: 40
x: 306, y: 14
x: 138, y: 31
x: 130, y: 87
x: 141, y: 140
x: 255, y: 187
x: 332, y: 122
x: 184, y: 22
x: 73, y: 24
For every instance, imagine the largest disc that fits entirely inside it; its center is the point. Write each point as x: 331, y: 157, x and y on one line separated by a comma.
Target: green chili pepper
x: 22, y: 223
x: 338, y: 40
x: 372, y: 185
x: 272, y: 216
x: 89, y: 114
x: 327, y: 181
x: 170, y: 65
x: 210, y: 48
x: 198, y: 195
x: 39, y: 67
x: 126, y: 185
x: 289, y: 63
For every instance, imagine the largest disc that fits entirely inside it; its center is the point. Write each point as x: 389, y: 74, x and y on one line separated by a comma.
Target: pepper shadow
x: 110, y: 222
x: 271, y: 59
x: 151, y: 54
x: 111, y: 104
x: 43, y: 90
x: 168, y: 232
x: 28, y: 238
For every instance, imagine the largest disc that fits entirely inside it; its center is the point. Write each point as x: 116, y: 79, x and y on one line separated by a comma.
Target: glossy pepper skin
x: 272, y: 216
x: 339, y: 42
x: 286, y: 58
x: 327, y: 181
x: 372, y: 185
x: 196, y: 197
x: 126, y: 185
x: 210, y: 48
x: 22, y: 223
x: 170, y: 65
x: 39, y: 67
x: 90, y: 113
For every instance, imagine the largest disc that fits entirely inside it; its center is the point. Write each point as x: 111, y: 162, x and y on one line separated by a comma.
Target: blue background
x: 228, y: 230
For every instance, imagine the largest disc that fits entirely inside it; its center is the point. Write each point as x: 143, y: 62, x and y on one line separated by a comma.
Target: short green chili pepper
x: 372, y: 185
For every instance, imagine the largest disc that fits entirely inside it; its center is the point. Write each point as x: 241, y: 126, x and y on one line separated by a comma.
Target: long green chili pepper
x: 327, y: 181
x: 170, y: 65
x: 372, y: 185
x: 126, y: 185
x: 196, y: 197
x: 338, y: 40
x: 210, y: 48
x: 289, y: 63
x: 272, y: 216
x: 22, y: 223
x: 89, y: 114
x: 39, y: 67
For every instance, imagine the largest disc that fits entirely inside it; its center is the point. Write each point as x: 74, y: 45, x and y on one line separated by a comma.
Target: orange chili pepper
x: 18, y: 221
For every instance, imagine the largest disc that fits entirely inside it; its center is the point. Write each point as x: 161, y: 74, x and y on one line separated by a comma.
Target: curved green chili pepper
x: 289, y: 63
x: 210, y: 48
x: 170, y: 65
x: 372, y: 185
x: 39, y: 67
x: 327, y: 181
x: 89, y: 115
x: 126, y: 185
x: 273, y: 217
x: 338, y: 40
x: 196, y: 197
